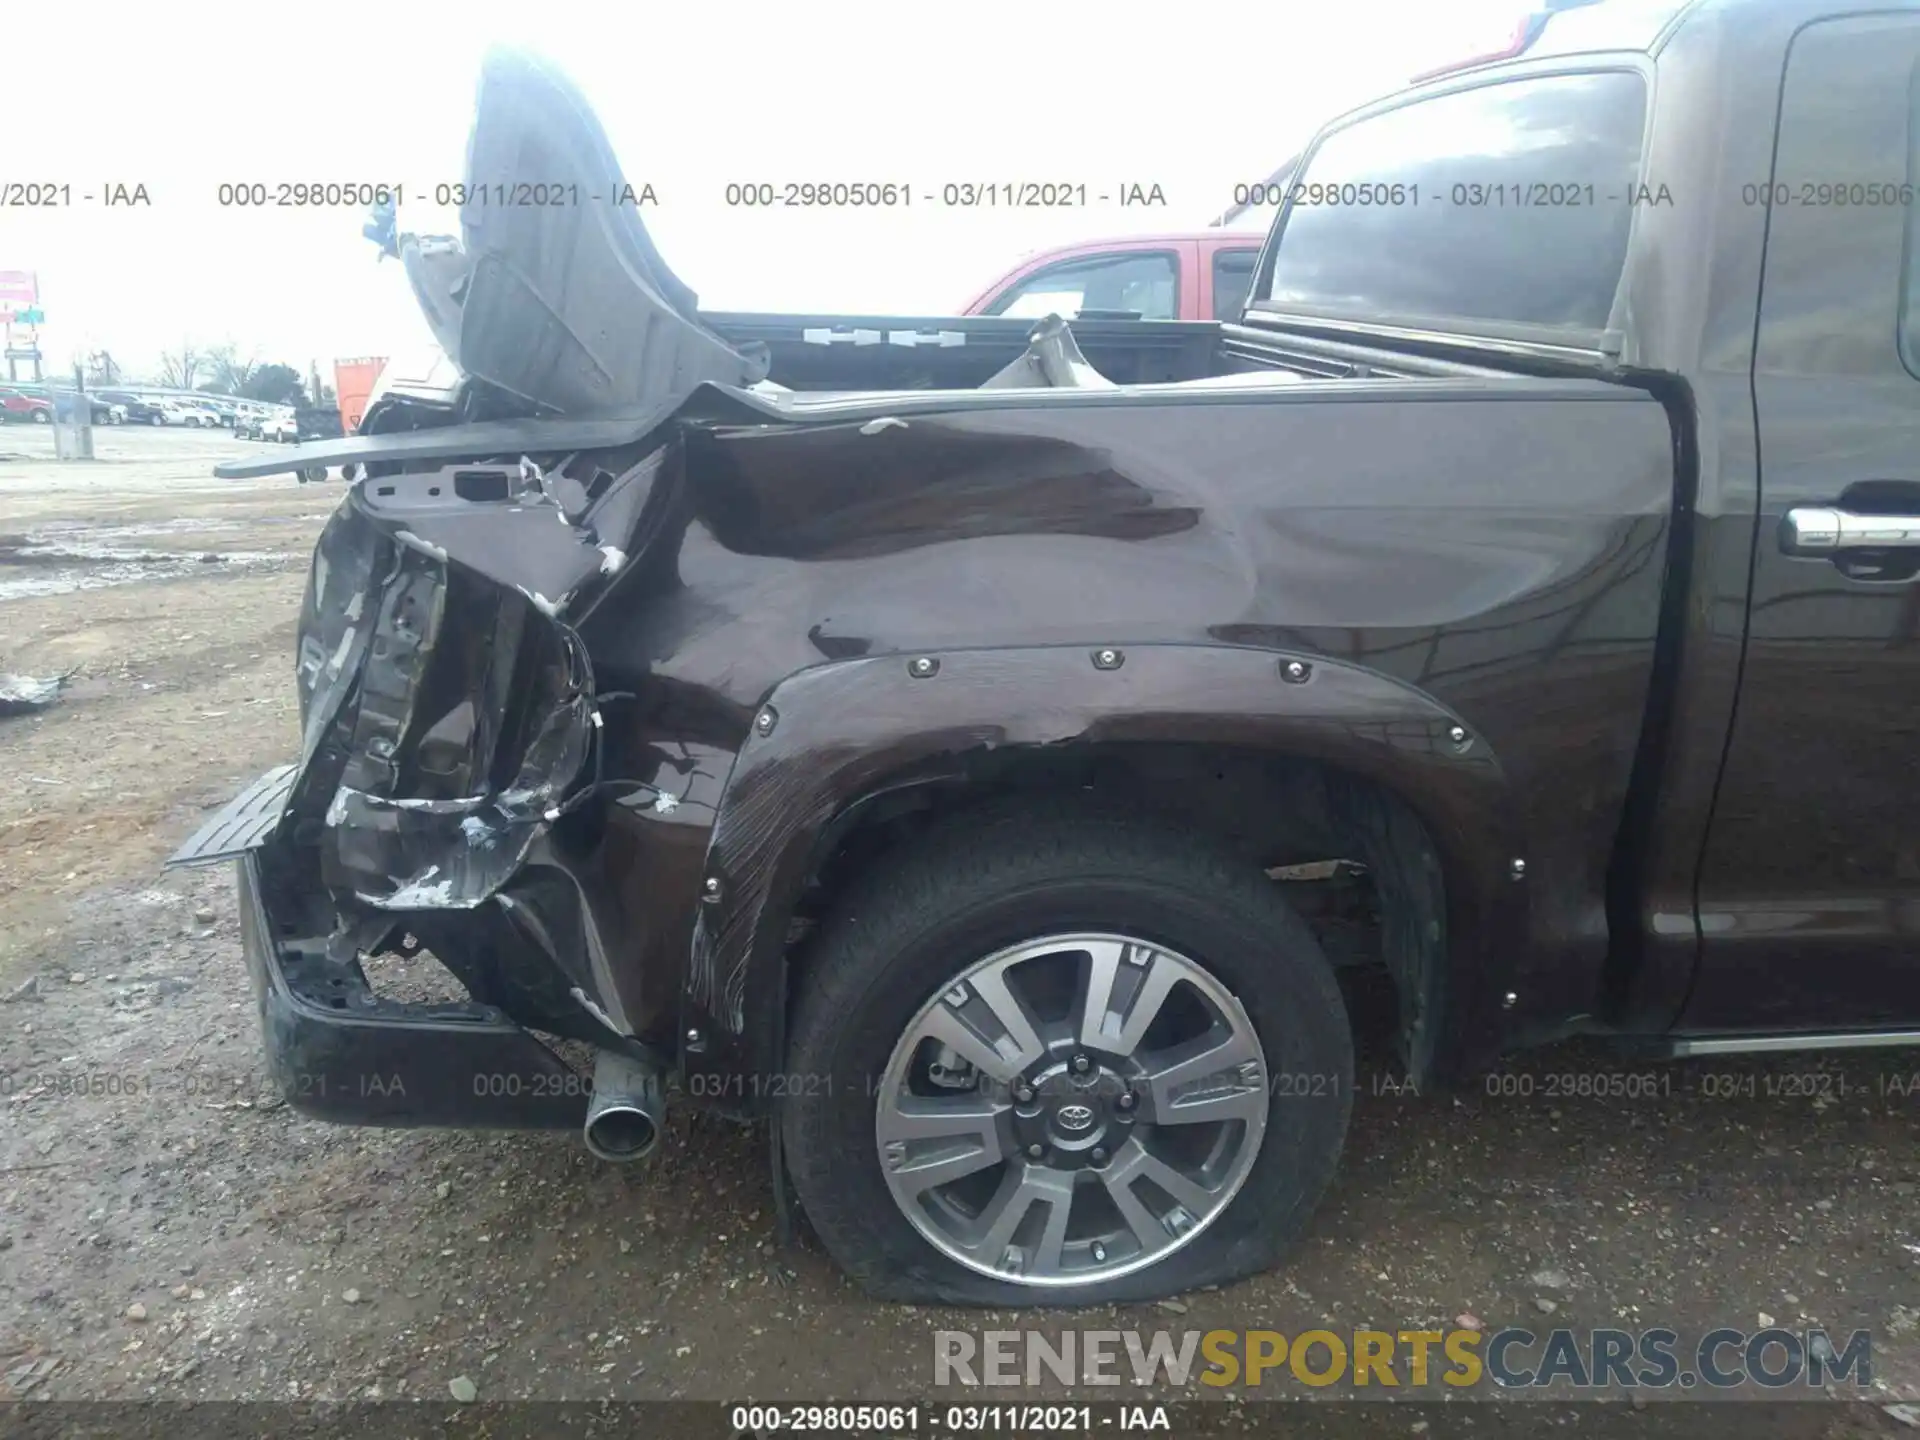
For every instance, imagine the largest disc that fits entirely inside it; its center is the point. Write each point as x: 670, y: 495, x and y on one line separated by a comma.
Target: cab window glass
x: 1139, y: 282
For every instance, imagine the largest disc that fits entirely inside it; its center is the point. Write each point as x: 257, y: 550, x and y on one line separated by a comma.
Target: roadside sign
x: 21, y: 287
x: 32, y: 315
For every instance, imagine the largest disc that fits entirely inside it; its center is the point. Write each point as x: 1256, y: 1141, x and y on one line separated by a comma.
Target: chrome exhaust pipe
x: 627, y: 1109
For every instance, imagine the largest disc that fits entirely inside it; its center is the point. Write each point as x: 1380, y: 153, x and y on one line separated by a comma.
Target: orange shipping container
x: 353, y: 383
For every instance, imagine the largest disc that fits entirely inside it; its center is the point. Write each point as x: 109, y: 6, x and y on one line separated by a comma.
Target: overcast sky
x: 1193, y: 98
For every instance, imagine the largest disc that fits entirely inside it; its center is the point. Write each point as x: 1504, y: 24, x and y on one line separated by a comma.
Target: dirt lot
x: 169, y: 1230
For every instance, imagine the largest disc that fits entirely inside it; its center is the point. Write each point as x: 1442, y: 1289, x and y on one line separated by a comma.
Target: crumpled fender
x: 831, y: 735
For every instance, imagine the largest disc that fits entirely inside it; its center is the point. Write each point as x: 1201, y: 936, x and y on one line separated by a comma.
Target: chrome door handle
x: 1821, y: 531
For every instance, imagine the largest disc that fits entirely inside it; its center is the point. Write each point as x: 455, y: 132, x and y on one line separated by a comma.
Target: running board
x: 1682, y: 1046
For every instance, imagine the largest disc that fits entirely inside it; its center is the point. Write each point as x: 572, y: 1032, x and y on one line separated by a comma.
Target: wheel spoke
x: 1145, y: 1225
x: 928, y: 1142
x: 1139, y: 974
x: 918, y: 1117
x: 1187, y: 1191
x: 1234, y: 1058
x: 1022, y: 1189
x: 1103, y: 969
x: 1206, y: 1107
x: 1137, y: 1163
x: 1053, y: 1240
x: 1016, y: 1025
x: 1009, y: 1046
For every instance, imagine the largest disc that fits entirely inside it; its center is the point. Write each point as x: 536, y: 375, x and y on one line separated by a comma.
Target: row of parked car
x: 254, y: 420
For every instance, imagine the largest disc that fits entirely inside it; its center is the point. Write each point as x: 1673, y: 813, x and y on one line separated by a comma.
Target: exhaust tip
x: 622, y: 1133
x: 625, y: 1114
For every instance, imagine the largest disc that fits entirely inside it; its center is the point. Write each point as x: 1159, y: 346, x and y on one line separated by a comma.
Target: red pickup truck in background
x: 18, y: 405
x: 1197, y: 275
x: 1194, y: 275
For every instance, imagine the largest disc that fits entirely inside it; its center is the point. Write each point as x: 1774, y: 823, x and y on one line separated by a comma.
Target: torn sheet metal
x: 485, y: 516
x: 23, y: 694
x: 1053, y: 360
x: 455, y: 854
x: 445, y: 720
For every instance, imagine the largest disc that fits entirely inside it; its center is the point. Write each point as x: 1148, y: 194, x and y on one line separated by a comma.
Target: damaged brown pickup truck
x: 930, y: 773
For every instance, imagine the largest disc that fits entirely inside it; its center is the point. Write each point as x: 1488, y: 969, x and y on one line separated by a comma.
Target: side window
x: 1840, y: 295
x: 1232, y: 279
x: 1145, y: 283
x: 1508, y: 202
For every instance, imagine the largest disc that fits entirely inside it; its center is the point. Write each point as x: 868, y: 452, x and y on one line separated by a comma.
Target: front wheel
x: 41, y: 417
x: 1063, y: 1059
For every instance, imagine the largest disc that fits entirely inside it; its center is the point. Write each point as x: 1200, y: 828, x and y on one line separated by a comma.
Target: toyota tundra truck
x: 935, y: 775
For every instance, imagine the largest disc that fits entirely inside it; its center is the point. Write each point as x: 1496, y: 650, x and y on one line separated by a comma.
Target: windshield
x: 1507, y: 203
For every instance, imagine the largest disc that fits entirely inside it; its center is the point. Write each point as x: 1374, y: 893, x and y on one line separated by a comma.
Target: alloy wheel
x: 1072, y: 1109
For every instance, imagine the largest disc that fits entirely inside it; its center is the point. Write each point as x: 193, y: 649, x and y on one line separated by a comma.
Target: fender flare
x: 832, y: 735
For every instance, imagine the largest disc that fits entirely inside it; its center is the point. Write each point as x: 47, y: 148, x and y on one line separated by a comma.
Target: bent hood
x: 553, y: 290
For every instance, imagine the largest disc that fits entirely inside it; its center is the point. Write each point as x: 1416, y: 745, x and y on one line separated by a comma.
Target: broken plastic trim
x: 455, y: 686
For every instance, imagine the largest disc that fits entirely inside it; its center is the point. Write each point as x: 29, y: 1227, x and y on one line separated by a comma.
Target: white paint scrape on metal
x: 425, y: 547
x: 417, y: 894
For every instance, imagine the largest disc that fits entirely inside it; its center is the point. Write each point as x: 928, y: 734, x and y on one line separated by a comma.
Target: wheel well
x: 1359, y: 863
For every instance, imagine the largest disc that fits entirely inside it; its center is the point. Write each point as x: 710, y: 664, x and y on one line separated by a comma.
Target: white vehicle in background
x: 281, y: 425
x: 178, y: 412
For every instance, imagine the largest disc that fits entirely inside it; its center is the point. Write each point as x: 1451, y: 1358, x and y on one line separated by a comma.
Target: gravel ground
x: 169, y: 1230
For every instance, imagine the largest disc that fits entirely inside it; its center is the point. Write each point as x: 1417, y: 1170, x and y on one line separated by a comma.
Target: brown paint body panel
x: 847, y: 729
x: 1447, y: 551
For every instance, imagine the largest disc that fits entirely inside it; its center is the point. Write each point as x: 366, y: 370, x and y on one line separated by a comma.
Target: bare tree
x: 230, y: 372
x: 103, y: 369
x: 179, y: 367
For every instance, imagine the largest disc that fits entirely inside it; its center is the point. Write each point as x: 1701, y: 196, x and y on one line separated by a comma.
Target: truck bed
x: 954, y: 352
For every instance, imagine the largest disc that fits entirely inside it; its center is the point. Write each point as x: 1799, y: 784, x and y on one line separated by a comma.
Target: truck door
x: 1809, y: 891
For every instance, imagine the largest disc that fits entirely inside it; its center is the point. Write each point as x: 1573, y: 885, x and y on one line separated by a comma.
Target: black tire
x: 985, y: 881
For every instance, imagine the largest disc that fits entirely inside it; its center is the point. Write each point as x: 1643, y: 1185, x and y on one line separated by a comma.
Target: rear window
x: 1508, y: 203
x: 1145, y: 283
x: 1232, y: 280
